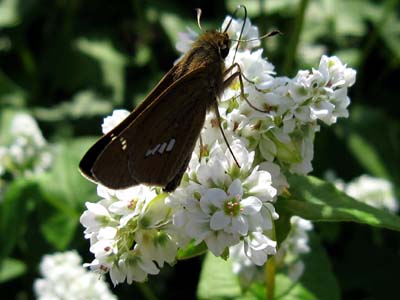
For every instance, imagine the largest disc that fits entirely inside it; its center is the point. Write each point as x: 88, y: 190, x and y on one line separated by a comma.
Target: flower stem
x: 270, y: 271
x: 146, y: 291
x: 294, y: 41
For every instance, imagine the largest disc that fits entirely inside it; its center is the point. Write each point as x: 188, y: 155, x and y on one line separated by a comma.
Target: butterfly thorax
x: 208, y: 53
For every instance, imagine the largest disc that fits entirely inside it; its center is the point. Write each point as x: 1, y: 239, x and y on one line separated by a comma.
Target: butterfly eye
x: 224, y: 50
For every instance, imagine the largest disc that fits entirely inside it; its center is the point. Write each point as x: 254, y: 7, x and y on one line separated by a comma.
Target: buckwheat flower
x: 294, y: 246
x: 128, y: 206
x: 129, y: 233
x: 24, y: 125
x: 377, y: 192
x: 65, y: 278
x: 186, y: 39
x: 248, y: 256
x: 322, y: 93
x: 117, y: 117
x: 28, y: 153
x: 250, y: 32
x: 222, y: 203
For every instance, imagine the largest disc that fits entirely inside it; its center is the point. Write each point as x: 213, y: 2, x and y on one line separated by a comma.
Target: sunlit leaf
x: 316, y: 200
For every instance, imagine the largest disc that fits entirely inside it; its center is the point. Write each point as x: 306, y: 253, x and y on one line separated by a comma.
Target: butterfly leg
x: 238, y: 74
x: 223, y: 134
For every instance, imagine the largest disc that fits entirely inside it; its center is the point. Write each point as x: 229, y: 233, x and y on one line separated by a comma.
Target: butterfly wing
x: 88, y: 160
x: 156, y: 147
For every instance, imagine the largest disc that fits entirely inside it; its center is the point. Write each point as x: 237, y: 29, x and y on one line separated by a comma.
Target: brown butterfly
x: 154, y: 144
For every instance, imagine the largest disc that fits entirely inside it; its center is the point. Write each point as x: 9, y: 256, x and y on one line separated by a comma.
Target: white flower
x: 222, y: 202
x: 24, y: 125
x: 255, y: 249
x: 185, y: 40
x: 117, y: 117
x: 127, y: 206
x: 134, y: 218
x: 250, y: 32
x: 28, y: 152
x: 65, y: 278
x: 231, y: 210
x: 377, y: 192
x: 132, y: 266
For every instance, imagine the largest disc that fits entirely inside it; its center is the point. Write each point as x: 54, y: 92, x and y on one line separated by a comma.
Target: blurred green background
x: 70, y: 63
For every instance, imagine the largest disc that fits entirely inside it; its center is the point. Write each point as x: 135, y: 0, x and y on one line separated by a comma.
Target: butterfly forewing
x: 154, y: 150
x: 93, y: 153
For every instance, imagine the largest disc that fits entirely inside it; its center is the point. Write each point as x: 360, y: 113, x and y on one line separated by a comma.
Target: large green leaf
x: 316, y: 200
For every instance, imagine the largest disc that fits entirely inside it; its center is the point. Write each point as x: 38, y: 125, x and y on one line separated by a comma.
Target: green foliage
x: 316, y: 200
x: 69, y: 63
x: 217, y: 281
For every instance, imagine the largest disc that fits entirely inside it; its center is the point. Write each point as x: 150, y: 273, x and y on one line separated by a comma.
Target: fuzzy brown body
x: 153, y: 145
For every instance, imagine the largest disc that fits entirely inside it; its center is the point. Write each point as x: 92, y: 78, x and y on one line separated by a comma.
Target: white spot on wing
x: 162, y: 148
x: 155, y: 149
x: 171, y: 145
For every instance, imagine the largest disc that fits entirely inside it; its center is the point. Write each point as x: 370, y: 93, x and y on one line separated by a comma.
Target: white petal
x: 219, y: 220
x: 240, y: 225
x: 214, y: 196
x: 148, y: 266
x: 117, y: 275
x: 250, y: 205
x: 235, y: 189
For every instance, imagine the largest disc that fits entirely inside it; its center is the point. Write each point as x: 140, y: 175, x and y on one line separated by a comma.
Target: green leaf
x: 217, y: 280
x: 372, y: 137
x: 367, y: 155
x: 14, y: 209
x: 192, y: 250
x: 59, y: 229
x: 11, y: 268
x: 110, y: 59
x: 156, y: 213
x: 316, y: 200
x: 10, y: 92
x: 317, y: 281
x: 65, y: 189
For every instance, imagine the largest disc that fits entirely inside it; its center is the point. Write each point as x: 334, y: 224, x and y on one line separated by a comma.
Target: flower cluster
x: 27, y: 153
x: 288, y: 256
x: 377, y: 192
x: 220, y: 205
x: 65, y: 278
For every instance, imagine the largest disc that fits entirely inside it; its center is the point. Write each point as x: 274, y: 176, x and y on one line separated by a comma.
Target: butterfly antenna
x: 267, y: 35
x: 198, y: 12
x: 241, y: 30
